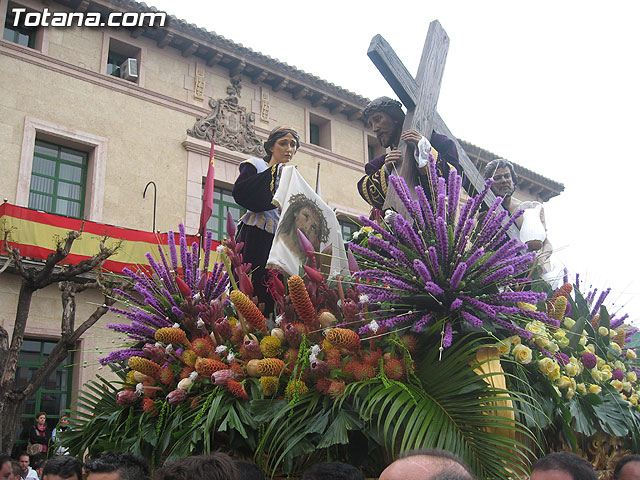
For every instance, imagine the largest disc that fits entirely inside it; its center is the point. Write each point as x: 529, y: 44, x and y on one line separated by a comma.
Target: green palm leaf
x: 449, y: 409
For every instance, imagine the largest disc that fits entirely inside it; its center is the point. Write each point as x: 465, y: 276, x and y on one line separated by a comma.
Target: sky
x: 552, y: 86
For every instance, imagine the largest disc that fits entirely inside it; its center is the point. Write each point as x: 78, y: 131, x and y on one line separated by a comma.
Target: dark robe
x: 373, y: 186
x: 254, y: 191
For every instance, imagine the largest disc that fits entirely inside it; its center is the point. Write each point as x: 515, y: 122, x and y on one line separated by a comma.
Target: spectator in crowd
x: 562, y: 466
x: 628, y: 468
x: 216, y: 466
x: 5, y: 467
x: 332, y: 470
x: 26, y: 472
x: 427, y: 464
x: 39, y: 437
x: 117, y: 466
x: 248, y: 470
x: 38, y: 465
x: 63, y: 425
x: 62, y: 468
x: 15, y: 470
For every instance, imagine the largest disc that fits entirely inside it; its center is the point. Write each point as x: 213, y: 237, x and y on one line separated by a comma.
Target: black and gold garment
x: 373, y: 186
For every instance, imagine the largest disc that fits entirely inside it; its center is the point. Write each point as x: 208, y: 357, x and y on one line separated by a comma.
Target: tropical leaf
x: 453, y: 408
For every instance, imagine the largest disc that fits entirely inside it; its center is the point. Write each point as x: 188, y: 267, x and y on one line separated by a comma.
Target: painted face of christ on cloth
x: 302, y: 209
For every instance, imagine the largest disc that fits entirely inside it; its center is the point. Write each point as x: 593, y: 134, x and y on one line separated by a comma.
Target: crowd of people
x: 428, y: 464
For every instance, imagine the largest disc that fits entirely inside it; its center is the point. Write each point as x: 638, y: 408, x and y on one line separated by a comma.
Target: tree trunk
x: 12, y: 409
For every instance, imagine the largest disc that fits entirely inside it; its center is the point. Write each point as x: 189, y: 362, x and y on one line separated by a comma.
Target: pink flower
x: 221, y: 377
x: 176, y: 397
x: 126, y: 397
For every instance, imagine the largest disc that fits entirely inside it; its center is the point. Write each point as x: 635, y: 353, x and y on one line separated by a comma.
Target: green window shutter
x: 58, y: 179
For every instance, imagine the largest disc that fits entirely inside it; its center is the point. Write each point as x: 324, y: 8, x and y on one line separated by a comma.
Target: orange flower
x: 248, y: 310
x: 300, y: 299
x: 343, y: 338
x: 237, y: 390
x: 144, y: 365
x: 172, y: 335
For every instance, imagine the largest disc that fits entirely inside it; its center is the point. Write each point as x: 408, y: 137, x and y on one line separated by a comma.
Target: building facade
x: 89, y: 116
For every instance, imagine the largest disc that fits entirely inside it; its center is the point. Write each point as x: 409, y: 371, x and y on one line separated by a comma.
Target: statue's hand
x: 411, y: 136
x: 392, y: 157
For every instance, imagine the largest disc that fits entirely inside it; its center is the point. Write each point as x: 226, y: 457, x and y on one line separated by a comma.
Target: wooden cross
x: 420, y: 97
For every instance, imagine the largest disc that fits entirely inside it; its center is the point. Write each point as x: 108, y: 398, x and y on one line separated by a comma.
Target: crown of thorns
x: 391, y: 107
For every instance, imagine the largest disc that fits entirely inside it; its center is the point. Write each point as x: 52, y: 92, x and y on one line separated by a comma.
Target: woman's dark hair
x: 493, y: 165
x: 297, y: 202
x: 41, y: 413
x: 276, y: 134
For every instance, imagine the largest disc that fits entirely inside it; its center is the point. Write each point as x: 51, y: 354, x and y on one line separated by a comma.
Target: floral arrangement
x: 448, y: 268
x: 376, y: 359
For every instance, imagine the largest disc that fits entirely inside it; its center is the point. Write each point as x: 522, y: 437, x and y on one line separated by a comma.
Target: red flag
x: 207, y: 196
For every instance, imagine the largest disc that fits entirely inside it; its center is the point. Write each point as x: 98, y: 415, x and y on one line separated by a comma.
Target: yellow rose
x: 607, y: 372
x: 604, y: 331
x: 570, y: 393
x: 632, y: 377
x: 590, y: 348
x: 596, y: 374
x: 522, y: 354
x: 617, y: 384
x: 536, y: 329
x: 555, y: 373
x: 527, y: 306
x: 595, y: 389
x: 600, y: 362
x: 503, y: 347
x: 367, y: 229
x: 563, y: 342
x: 634, y: 399
x: 581, y: 388
x: 514, y: 340
x: 631, y: 354
x: 563, y: 382
x: 553, y: 347
x: 612, y: 333
x: 617, y: 348
x: 583, y: 340
x: 546, y: 365
x: 620, y: 366
x: 568, y: 322
x: 626, y: 386
x: 571, y: 368
x: 542, y: 341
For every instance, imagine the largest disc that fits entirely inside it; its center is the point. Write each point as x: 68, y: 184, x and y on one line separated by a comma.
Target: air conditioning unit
x: 129, y: 69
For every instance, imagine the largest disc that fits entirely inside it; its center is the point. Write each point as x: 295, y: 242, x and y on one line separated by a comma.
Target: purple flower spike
x: 458, y: 274
x: 456, y: 304
x: 173, y: 254
x: 448, y: 335
x: 433, y: 288
x: 472, y: 319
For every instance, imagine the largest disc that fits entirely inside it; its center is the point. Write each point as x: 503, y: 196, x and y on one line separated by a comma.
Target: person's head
x: 504, y: 176
x: 385, y: 117
x: 248, y: 470
x: 38, y: 465
x: 216, y: 466
x: 627, y: 468
x: 5, y: 467
x: 282, y: 144
x: 117, y: 466
x: 64, y: 421
x: 41, y: 419
x: 562, y: 466
x: 332, y: 470
x: 304, y: 214
x: 64, y: 467
x: 16, y: 470
x: 428, y: 464
x: 23, y: 461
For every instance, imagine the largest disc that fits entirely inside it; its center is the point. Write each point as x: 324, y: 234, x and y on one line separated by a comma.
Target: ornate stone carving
x: 265, y: 106
x: 198, y: 87
x: 229, y: 124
